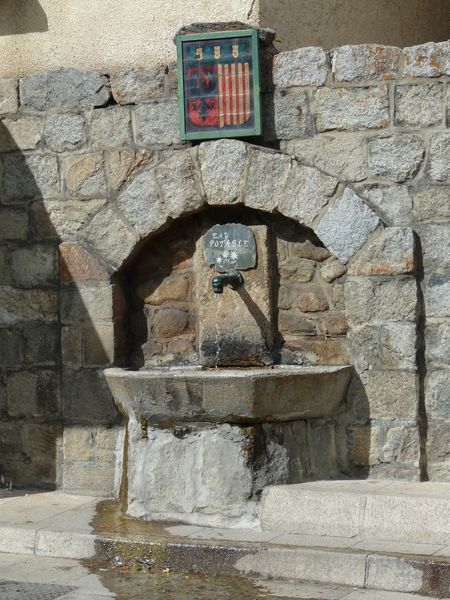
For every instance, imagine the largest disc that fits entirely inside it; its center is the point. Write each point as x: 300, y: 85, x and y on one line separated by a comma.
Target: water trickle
x: 217, y: 339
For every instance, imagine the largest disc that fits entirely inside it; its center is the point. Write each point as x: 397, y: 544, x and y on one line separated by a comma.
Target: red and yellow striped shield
x: 233, y: 93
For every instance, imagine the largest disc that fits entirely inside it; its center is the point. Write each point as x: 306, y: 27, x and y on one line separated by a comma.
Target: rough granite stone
x: 437, y: 295
x: 5, y: 268
x: 292, y: 117
x: 437, y: 392
x: 9, y: 101
x: 92, y: 303
x: 108, y: 234
x: 332, y: 269
x: 23, y: 133
x: 64, y: 132
x: 180, y: 199
x: 64, y: 89
x: 30, y: 177
x: 110, y: 128
x: 217, y: 161
x: 41, y: 344
x: 352, y: 109
x: 122, y: 164
x: 346, y: 225
x: 33, y: 394
x: 72, y: 347
x: 365, y: 62
x: 435, y: 242
x: 35, y: 265
x: 13, y: 224
x: 303, y: 66
x: 55, y: 220
x: 98, y: 346
x: 392, y: 203
x: 139, y: 85
x: 266, y: 178
x: 307, y: 191
x: 84, y: 175
x: 439, y: 167
x: 391, y: 253
x: 419, y: 105
x: 86, y: 397
x: 157, y: 123
x: 342, y: 158
x: 11, y: 347
x: 431, y: 203
x: 141, y: 204
x: 376, y: 301
x: 27, y: 305
x: 397, y: 158
x: 76, y: 264
x: 427, y: 60
x: 398, y: 346
x: 392, y: 395
x: 309, y: 251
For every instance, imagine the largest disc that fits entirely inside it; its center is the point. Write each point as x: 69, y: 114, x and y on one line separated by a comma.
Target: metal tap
x: 232, y: 278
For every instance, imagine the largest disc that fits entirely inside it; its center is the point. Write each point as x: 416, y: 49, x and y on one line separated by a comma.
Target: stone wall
x: 92, y: 164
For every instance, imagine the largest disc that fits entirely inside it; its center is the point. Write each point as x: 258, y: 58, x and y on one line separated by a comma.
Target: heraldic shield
x: 219, y: 86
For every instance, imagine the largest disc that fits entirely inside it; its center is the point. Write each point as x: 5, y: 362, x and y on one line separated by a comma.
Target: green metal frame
x: 204, y: 135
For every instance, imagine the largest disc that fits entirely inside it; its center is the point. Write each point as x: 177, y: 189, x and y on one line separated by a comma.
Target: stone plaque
x: 230, y: 246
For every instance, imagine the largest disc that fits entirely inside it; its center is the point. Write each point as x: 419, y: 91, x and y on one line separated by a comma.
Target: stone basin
x: 167, y: 395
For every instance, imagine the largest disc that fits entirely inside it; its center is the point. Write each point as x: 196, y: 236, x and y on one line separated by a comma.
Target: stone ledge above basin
x: 166, y: 396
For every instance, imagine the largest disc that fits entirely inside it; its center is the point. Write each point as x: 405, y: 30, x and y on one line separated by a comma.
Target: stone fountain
x: 209, y: 426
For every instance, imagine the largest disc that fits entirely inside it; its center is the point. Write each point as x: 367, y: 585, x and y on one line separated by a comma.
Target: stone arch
x: 228, y: 172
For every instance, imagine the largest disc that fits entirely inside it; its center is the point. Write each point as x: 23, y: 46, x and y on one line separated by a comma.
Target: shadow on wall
x: 22, y: 16
x: 45, y: 388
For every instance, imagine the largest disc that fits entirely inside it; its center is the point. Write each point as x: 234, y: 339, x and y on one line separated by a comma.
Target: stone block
x: 77, y: 265
x: 307, y: 191
x: 35, y: 265
x: 63, y: 133
x: 84, y: 175
x: 437, y: 295
x: 393, y: 203
x: 13, y: 224
x: 79, y: 443
x: 11, y: 347
x: 346, y: 225
x: 86, y: 398
x: 98, y: 345
x: 56, y: 220
x: 107, y: 446
x: 138, y: 85
x: 435, y: 242
x: 30, y: 177
x: 437, y: 337
x: 345, y: 158
x: 89, y: 480
x: 310, y: 251
x: 267, y: 172
x: 332, y: 269
x: 297, y: 271
x: 170, y: 288
x: 107, y: 234
x: 33, y: 394
x: 223, y: 164
x: 332, y: 324
x: 431, y: 203
x: 352, y: 109
x: 179, y: 200
x: 169, y: 322
x: 322, y: 449
x: 87, y: 303
x: 390, y: 573
x: 319, y: 350
x: 364, y: 440
x: 110, y: 128
x: 9, y: 102
x: 312, y: 300
x: 364, y: 347
x: 291, y: 322
x: 419, y: 105
x: 375, y: 301
x: 64, y: 89
x: 120, y: 164
x: 5, y: 267
x: 437, y: 392
x: 41, y: 344
x: 23, y: 133
x: 28, y: 305
x: 157, y: 123
x: 427, y: 60
x: 391, y: 253
x: 72, y: 347
x: 141, y: 203
x: 439, y: 164
x: 292, y: 117
x: 303, y: 66
x: 397, y: 157
x: 398, y: 346
x: 365, y: 62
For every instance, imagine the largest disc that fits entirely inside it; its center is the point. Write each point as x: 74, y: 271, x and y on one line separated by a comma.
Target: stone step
x: 391, y: 511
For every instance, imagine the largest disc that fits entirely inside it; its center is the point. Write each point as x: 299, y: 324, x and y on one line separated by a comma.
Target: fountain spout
x: 231, y: 278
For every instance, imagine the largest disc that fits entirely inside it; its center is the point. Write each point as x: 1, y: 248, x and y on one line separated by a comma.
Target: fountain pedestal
x: 203, y: 444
